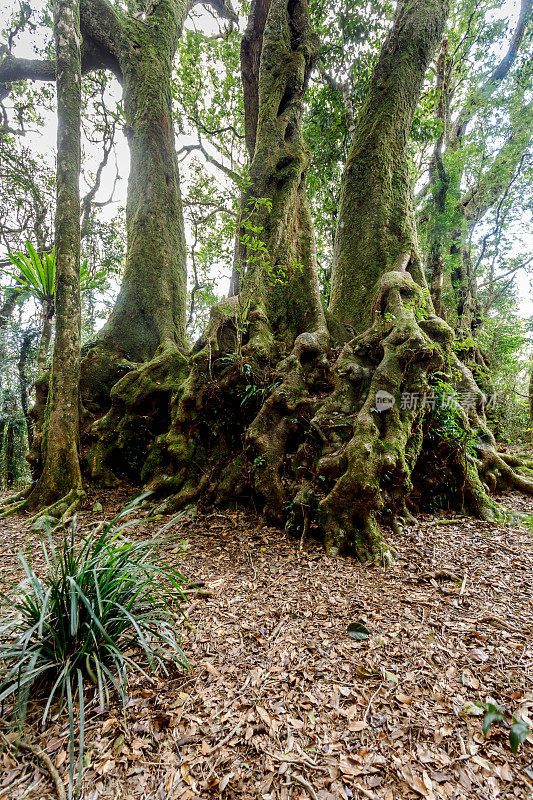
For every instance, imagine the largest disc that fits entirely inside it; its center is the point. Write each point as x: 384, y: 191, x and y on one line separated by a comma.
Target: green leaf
x: 493, y: 714
x: 518, y: 734
x: 358, y: 631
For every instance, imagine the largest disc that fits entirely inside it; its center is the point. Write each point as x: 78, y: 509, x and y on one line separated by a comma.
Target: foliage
x: 35, y: 274
x: 13, y: 447
x: 518, y: 731
x: 505, y: 341
x: 447, y: 418
x: 102, y: 611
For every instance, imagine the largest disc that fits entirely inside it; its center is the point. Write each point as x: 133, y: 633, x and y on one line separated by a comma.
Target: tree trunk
x: 278, y: 295
x: 24, y: 383
x: 530, y: 393
x: 150, y: 308
x: 436, y: 232
x: 60, y: 485
x: 263, y: 408
x: 46, y: 335
x: 278, y: 273
x: 376, y: 229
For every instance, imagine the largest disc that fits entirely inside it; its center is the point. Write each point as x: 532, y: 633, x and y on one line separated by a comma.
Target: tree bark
x: 376, y: 230
x: 277, y: 55
x: 150, y: 309
x: 59, y: 487
x: 46, y: 335
x: 25, y: 383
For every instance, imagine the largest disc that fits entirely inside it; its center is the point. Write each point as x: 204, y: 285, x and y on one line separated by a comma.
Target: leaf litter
x: 314, y: 677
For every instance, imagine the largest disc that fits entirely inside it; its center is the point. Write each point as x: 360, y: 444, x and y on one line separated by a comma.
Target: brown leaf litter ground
x: 281, y: 703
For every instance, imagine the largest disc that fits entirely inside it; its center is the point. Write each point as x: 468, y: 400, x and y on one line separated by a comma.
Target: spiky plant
x: 106, y: 607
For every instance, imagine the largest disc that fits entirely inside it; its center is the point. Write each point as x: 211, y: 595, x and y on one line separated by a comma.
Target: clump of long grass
x: 106, y: 607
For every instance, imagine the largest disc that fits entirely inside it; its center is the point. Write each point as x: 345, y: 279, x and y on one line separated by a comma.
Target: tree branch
x: 478, y: 200
x: 188, y: 148
x: 497, y: 75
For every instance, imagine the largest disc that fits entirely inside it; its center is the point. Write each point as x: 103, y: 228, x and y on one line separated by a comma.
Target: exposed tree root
x: 45, y: 760
x: 62, y: 509
x: 325, y: 445
x: 13, y: 499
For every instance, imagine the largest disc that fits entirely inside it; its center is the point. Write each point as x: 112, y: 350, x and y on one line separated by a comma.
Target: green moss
x: 376, y: 228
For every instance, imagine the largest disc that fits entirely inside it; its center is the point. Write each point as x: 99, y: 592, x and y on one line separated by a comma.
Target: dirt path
x: 282, y: 703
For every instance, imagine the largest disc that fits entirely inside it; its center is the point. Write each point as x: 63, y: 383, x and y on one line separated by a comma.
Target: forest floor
x: 282, y: 703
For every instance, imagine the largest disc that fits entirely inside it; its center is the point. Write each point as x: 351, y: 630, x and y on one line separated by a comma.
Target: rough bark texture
x: 59, y: 488
x: 25, y: 382
x: 61, y: 477
x: 439, y: 183
x: 376, y: 221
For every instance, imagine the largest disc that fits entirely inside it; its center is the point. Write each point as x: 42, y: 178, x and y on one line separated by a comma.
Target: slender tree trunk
x: 436, y: 232
x: 531, y: 404
x: 46, y: 335
x: 60, y: 485
x: 376, y: 230
x: 24, y: 383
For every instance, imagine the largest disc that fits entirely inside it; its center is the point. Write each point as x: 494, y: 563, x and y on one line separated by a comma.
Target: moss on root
x: 309, y: 444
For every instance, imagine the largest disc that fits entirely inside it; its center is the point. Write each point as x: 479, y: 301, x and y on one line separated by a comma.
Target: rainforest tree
x: 282, y: 399
x: 59, y: 487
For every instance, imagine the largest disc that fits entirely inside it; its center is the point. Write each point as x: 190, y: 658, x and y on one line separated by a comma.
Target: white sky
x: 44, y: 140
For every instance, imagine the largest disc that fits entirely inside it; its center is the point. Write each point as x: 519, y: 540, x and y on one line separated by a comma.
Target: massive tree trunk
x: 150, y: 309
x: 59, y: 488
x: 317, y: 452
x: 278, y: 298
x: 266, y: 407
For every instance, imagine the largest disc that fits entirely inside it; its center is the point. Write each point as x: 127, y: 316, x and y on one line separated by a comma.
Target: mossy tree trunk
x: 59, y: 488
x: 265, y: 407
x: 277, y: 273
x: 150, y: 308
x: 276, y: 259
x: 376, y: 230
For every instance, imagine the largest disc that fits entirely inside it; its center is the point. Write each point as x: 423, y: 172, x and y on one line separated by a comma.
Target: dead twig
x: 298, y: 778
x: 45, y: 760
x: 369, y: 706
